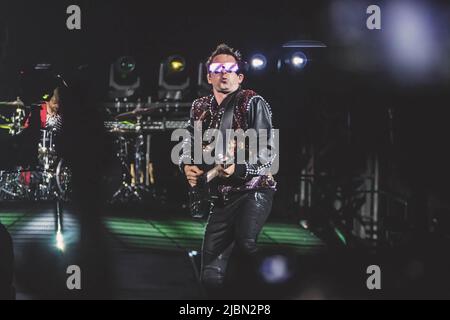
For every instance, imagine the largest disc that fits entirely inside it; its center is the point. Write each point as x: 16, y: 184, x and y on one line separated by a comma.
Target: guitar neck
x: 214, y: 172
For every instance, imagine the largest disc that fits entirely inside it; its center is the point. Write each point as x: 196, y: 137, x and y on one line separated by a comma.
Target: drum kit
x: 50, y: 179
x: 13, y: 122
x: 132, y: 132
x: 132, y: 143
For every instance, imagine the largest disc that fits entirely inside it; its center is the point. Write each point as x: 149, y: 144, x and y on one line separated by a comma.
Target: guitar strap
x: 199, y: 205
x: 226, y: 122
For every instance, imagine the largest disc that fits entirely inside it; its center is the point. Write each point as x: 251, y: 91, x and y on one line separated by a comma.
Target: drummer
x: 50, y: 113
x: 50, y: 118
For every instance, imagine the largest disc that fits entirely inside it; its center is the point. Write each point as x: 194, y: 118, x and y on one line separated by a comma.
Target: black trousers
x: 234, y: 225
x: 6, y: 264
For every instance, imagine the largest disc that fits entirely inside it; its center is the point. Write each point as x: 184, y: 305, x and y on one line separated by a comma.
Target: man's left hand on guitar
x: 192, y: 174
x: 226, y: 173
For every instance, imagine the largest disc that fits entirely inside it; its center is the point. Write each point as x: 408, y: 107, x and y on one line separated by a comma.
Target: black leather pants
x: 235, y: 224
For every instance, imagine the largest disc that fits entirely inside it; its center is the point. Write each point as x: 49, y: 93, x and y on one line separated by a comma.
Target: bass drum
x: 63, y: 178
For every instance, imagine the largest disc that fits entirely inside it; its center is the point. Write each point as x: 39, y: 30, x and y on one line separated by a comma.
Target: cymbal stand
x: 47, y: 186
x: 133, y: 186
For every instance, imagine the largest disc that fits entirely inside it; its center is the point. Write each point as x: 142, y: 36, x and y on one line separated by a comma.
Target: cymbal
x: 120, y: 131
x: 9, y: 126
x: 17, y: 103
x: 136, y: 113
x: 5, y: 126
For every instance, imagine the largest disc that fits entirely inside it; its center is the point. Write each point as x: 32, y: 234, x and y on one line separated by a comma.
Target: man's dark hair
x: 226, y: 49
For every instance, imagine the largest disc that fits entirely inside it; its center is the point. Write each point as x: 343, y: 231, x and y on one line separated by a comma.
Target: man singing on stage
x: 246, y: 189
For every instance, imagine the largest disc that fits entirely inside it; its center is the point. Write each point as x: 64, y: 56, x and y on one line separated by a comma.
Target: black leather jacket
x: 251, y: 111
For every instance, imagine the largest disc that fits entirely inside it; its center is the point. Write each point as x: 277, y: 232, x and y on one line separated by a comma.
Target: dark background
x: 351, y: 77
x: 383, y: 92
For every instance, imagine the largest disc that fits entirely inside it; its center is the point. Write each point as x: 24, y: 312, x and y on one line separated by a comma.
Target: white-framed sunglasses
x: 220, y: 67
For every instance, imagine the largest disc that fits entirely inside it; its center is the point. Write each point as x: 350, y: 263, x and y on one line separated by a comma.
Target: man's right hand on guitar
x: 192, y: 174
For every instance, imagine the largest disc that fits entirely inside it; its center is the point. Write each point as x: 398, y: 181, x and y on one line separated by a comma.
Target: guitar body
x: 200, y: 202
x: 201, y: 197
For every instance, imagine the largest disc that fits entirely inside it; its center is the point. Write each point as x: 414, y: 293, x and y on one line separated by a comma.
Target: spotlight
x: 415, y: 49
x: 193, y: 253
x: 173, y: 79
x: 275, y: 269
x: 258, y: 62
x: 298, y: 60
x: 60, y: 241
x: 123, y: 79
x: 125, y: 66
x: 304, y: 224
x: 176, y: 64
x: 297, y: 54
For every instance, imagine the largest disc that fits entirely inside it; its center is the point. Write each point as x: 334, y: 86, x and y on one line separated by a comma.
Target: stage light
x: 258, y: 62
x: 176, y: 64
x: 60, y: 241
x: 125, y: 65
x: 297, y: 54
x: 173, y: 80
x: 304, y: 224
x: 275, y: 269
x: 414, y: 45
x: 123, y: 79
x: 298, y: 60
x: 193, y: 253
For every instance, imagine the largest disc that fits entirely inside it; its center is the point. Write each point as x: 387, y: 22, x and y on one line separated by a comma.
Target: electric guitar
x: 202, y: 196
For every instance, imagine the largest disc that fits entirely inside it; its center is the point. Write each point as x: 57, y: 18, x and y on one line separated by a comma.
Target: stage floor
x: 149, y: 256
